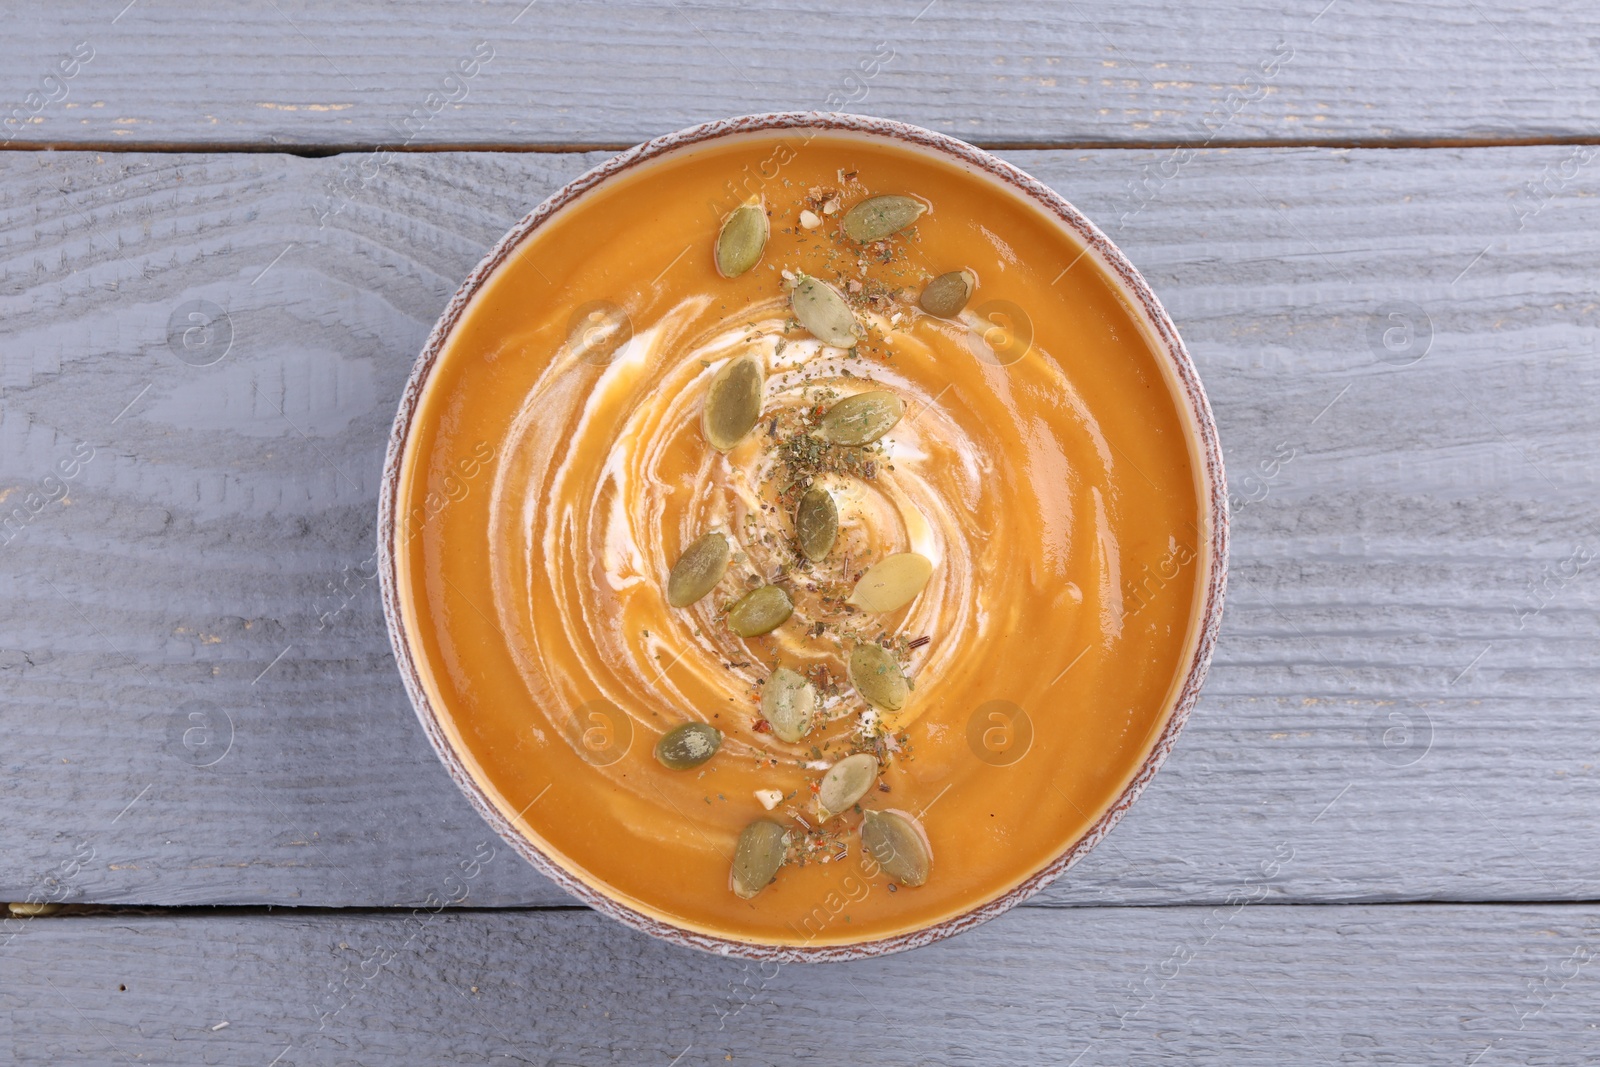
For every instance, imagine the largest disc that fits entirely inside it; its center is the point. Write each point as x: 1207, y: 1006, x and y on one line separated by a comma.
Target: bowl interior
x: 442, y: 482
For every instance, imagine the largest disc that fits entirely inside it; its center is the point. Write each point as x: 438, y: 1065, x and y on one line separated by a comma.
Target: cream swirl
x: 600, y: 539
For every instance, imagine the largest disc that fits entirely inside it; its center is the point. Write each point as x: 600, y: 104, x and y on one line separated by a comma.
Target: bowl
x: 450, y: 510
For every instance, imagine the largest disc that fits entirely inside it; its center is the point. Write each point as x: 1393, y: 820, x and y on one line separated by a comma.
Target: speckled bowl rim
x: 1204, y: 436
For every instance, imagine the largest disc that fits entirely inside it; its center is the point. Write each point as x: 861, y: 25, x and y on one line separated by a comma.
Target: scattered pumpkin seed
x: 733, y: 402
x: 698, y: 570
x: 688, y: 745
x: 741, y: 241
x: 823, y: 311
x: 892, y: 582
x: 877, y: 677
x: 898, y: 843
x: 32, y: 909
x: 947, y: 294
x: 846, y: 782
x: 789, y: 703
x: 878, y: 217
x: 756, y: 859
x: 760, y: 611
x: 861, y: 419
x: 816, y: 523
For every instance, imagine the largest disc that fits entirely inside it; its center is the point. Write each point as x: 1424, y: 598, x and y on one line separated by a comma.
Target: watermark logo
x: 200, y: 734
x: 1139, y: 590
x: 48, y: 490
x: 601, y: 732
x: 53, y: 86
x: 1551, y: 581
x: 1400, y: 333
x: 356, y: 174
x: 448, y: 487
x: 999, y: 733
x: 1259, y: 482
x: 199, y: 333
x: 597, y: 331
x: 1005, y: 334
x: 1400, y: 737
x: 1534, y: 196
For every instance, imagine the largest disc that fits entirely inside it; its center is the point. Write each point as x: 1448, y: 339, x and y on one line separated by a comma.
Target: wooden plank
x: 1032, y: 72
x: 1237, y: 984
x: 200, y: 703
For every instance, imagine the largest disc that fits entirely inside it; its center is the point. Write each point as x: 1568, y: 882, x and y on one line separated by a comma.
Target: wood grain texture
x: 1241, y: 984
x: 1033, y: 72
x: 1387, y: 708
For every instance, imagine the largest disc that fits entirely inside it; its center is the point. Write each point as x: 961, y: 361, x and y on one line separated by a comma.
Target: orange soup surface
x: 559, y: 466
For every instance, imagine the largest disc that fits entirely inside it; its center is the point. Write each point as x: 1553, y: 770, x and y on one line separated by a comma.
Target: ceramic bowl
x: 1182, y: 379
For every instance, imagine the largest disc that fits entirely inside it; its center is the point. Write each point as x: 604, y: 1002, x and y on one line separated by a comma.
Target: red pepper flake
x: 761, y: 726
x: 919, y: 642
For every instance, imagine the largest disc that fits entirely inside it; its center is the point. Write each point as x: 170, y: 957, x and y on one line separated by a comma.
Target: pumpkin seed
x: 741, y: 241
x: 698, y: 570
x: 877, y: 677
x: 822, y: 310
x: 881, y: 216
x: 816, y: 523
x: 733, y: 402
x: 760, y: 611
x: 757, y: 857
x: 31, y: 909
x: 688, y: 745
x: 861, y: 419
x: 846, y: 782
x: 898, y: 843
x: 789, y: 703
x: 947, y: 294
x: 892, y: 582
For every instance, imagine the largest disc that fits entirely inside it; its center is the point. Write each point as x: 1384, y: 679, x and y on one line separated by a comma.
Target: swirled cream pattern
x: 974, y: 477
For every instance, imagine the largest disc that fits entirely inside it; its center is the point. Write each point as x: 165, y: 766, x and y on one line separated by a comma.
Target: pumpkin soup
x: 803, y: 540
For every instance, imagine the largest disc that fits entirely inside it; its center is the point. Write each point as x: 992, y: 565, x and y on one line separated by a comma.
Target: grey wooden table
x: 1376, y: 224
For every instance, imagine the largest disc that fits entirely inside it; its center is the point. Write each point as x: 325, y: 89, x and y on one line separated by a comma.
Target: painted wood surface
x: 1030, y: 72
x: 1236, y: 984
x: 199, y: 698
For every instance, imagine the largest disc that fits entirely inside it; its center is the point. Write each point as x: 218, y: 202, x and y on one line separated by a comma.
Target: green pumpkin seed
x: 861, y: 419
x: 698, y: 570
x: 816, y: 523
x: 760, y: 852
x: 688, y: 745
x: 733, y: 402
x: 846, y: 782
x: 881, y: 216
x: 789, y: 703
x: 32, y: 909
x: 947, y: 294
x: 878, y: 678
x: 892, y: 582
x: 741, y: 241
x: 760, y: 611
x: 898, y: 843
x: 823, y: 312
